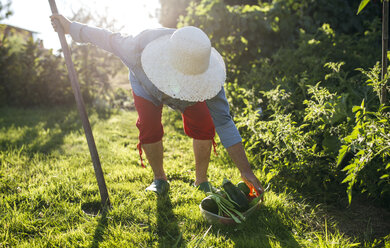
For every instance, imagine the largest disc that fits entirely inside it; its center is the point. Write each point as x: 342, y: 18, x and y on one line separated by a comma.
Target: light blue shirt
x: 129, y: 50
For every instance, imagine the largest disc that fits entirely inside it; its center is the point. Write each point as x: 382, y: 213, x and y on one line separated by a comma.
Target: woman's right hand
x: 65, y: 23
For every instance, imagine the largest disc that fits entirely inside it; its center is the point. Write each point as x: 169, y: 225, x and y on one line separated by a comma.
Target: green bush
x: 32, y: 76
x: 321, y: 146
x: 293, y: 69
x: 369, y: 146
x: 300, y: 154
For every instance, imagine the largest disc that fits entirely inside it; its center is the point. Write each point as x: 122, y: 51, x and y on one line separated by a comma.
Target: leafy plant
x: 365, y: 153
x: 32, y: 76
x: 374, y: 80
x: 369, y: 141
x: 362, y: 5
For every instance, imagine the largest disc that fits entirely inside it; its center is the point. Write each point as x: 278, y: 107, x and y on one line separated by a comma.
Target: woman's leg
x: 151, y: 133
x: 199, y: 125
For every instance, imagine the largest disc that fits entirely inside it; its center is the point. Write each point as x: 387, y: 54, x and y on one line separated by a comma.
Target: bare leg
x: 202, y: 150
x: 154, y: 154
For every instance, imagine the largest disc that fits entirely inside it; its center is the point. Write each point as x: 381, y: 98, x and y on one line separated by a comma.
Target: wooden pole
x: 82, y: 112
x: 385, y: 42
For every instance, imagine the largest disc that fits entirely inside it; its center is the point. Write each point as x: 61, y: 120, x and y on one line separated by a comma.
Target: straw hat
x: 184, y: 65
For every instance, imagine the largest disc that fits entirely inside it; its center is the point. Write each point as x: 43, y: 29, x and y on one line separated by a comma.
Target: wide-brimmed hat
x: 184, y: 65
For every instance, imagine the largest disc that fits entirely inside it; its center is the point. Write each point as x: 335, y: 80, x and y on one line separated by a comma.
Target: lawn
x: 50, y: 198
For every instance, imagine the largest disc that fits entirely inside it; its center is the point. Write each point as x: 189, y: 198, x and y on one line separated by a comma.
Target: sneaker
x: 159, y: 186
x: 206, y: 187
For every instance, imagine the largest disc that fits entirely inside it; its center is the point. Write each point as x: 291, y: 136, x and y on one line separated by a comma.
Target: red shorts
x: 197, y: 122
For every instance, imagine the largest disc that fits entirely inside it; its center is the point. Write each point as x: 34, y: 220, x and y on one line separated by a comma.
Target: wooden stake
x: 385, y: 42
x: 82, y: 112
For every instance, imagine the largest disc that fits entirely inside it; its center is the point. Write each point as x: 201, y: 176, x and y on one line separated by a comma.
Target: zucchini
x: 210, y: 205
x: 236, y: 195
x: 244, y: 188
x: 254, y: 201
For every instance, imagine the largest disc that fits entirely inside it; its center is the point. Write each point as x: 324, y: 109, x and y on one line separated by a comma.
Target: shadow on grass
x: 41, y: 129
x: 363, y: 221
x: 95, y: 208
x: 264, y: 228
x: 92, y: 208
x: 100, y: 229
x: 168, y: 231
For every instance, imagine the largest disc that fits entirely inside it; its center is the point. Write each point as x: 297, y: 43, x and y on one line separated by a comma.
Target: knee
x: 149, y: 133
x: 203, y: 130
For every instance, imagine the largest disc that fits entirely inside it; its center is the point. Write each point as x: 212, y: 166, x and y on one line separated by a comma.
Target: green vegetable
x: 210, y: 205
x: 236, y: 195
x: 243, y: 187
x: 226, y: 207
x: 254, y: 201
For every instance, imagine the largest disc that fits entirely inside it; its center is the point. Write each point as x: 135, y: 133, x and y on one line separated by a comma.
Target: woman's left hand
x: 251, y: 179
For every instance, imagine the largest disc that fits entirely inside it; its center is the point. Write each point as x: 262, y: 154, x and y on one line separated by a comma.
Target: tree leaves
x: 5, y: 10
x: 362, y: 4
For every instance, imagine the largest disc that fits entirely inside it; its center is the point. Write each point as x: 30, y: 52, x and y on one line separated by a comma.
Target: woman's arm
x: 237, y: 154
x: 122, y: 46
x: 230, y: 137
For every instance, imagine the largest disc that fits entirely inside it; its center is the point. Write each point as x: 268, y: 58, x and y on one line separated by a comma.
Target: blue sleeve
x: 223, y: 122
x: 122, y: 46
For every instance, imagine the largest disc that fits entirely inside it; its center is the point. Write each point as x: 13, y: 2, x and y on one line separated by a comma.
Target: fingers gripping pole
x: 81, y: 108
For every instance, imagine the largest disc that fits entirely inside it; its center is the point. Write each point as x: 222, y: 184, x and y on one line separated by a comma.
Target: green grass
x: 49, y: 192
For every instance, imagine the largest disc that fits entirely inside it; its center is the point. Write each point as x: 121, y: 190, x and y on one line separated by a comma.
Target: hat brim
x: 192, y: 88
